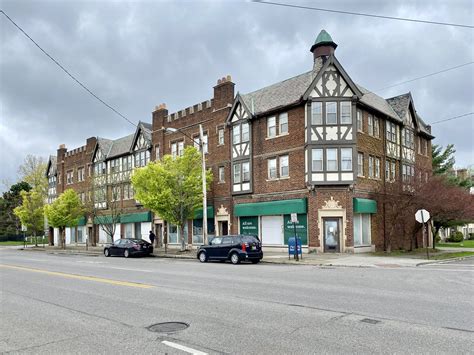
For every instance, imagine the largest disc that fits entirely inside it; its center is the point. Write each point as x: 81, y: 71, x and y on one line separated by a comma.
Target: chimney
x: 322, y: 48
x: 223, y: 92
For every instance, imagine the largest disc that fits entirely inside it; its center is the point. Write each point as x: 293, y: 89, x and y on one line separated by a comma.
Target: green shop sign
x: 249, y: 225
x: 301, y: 228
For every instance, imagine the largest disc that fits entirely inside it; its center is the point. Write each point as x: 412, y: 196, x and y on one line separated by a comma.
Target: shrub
x: 471, y: 236
x: 455, y: 237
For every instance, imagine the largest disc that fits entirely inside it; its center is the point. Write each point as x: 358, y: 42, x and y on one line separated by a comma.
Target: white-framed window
x: 371, y: 166
x: 142, y: 158
x: 128, y: 193
x: 157, y: 152
x: 181, y: 148
x: 197, y: 142
x: 346, y: 112
x: 246, y: 171
x: 127, y: 163
x: 392, y: 132
x: 331, y: 112
x: 220, y: 136
x: 376, y: 127
x: 69, y: 177
x: 317, y: 160
x: 284, y: 166
x: 360, y: 164
x: 316, y: 113
x: 283, y: 123
x: 331, y: 159
x: 221, y: 174
x: 272, y: 168
x: 236, y: 134
x: 82, y: 196
x: 360, y: 125
x: 370, y: 124
x: 346, y: 159
x: 271, y: 127
x: 362, y: 229
x: 80, y: 174
x: 116, y: 193
x: 174, y: 149
x: 237, y: 177
x: 408, y: 172
x: 377, y: 168
x: 408, y: 138
x: 245, y: 132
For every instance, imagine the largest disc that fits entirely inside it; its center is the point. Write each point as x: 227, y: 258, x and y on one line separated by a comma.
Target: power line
x: 426, y: 76
x: 67, y: 72
x: 452, y: 118
x: 361, y: 14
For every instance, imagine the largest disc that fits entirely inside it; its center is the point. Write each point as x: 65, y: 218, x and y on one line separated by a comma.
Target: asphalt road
x: 82, y: 304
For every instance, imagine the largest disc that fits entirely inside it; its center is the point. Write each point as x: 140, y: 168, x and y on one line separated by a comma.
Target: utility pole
x: 204, y: 187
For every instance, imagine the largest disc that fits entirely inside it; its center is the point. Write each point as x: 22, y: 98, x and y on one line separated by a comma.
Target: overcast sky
x: 137, y: 55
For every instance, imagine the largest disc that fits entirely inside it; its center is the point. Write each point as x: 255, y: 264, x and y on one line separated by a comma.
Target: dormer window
x: 316, y: 113
x: 331, y: 113
x: 346, y: 112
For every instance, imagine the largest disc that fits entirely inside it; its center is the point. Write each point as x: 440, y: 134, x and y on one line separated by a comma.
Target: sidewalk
x: 270, y: 257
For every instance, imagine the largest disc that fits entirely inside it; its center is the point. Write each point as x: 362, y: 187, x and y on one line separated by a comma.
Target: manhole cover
x: 370, y: 321
x: 168, y: 327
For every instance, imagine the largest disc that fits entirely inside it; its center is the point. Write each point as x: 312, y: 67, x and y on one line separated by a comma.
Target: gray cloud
x: 136, y: 55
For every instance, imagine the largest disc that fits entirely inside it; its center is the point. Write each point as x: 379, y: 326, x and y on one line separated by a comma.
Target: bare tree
x: 108, y: 209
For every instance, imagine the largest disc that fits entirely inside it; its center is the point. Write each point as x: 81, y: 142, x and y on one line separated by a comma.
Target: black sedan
x: 235, y: 248
x: 129, y: 247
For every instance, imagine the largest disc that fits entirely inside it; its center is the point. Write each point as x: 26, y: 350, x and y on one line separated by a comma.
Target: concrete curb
x: 445, y: 260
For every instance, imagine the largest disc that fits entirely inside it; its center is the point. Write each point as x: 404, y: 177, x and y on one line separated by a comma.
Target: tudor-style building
x: 317, y: 144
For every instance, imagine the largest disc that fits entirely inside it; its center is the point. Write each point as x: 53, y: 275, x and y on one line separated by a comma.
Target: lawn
x: 8, y: 243
x: 463, y: 244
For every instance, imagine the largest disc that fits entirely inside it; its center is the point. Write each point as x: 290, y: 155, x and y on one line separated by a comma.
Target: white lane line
x: 183, y: 348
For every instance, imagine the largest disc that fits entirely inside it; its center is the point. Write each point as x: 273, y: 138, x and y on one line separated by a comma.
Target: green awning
x: 271, y: 208
x: 198, y: 213
x: 136, y: 217
x: 364, y: 205
x: 82, y: 221
x: 106, y: 219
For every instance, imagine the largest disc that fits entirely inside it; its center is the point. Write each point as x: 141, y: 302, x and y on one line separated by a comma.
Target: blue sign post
x: 294, y: 244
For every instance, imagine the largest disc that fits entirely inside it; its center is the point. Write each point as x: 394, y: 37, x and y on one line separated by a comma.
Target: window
x: 346, y: 159
x: 331, y: 112
x: 272, y: 168
x: 128, y: 192
x: 221, y: 174
x: 371, y: 166
x: 316, y: 113
x: 317, y: 161
x: 370, y: 124
x: 174, y: 150
x: 69, y: 177
x: 181, y: 148
x: 362, y: 229
x: 408, y: 172
x: 360, y: 164
x: 346, y: 112
x: 391, y: 132
x: 220, y: 136
x: 142, y: 158
x: 237, y: 173
x: 82, y: 196
x: 425, y: 146
x: 271, y: 127
x: 116, y: 193
x: 377, y: 168
x: 359, y: 121
x: 127, y: 163
x: 245, y: 132
x: 283, y: 123
x: 284, y: 167
x: 80, y: 174
x: 236, y: 134
x: 376, y: 127
x: 408, y: 138
x: 246, y: 172
x: 157, y: 152
x: 197, y: 142
x: 331, y: 159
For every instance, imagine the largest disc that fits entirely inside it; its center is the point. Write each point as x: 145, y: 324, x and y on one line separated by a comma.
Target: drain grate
x: 370, y: 321
x: 168, y: 327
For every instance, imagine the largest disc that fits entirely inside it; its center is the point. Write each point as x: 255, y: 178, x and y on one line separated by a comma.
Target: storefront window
x: 197, y: 230
x: 362, y: 230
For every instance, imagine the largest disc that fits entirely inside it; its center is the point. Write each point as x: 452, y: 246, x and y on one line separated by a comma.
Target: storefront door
x: 331, y: 235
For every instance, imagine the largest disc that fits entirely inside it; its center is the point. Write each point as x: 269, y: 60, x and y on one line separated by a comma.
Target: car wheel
x: 255, y: 261
x: 202, y: 257
x: 234, y: 259
x: 126, y: 253
x: 106, y: 252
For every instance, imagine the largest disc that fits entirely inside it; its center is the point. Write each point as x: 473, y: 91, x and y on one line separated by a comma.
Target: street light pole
x: 204, y: 187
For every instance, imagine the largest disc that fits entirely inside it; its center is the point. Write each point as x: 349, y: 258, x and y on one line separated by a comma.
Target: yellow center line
x: 79, y: 277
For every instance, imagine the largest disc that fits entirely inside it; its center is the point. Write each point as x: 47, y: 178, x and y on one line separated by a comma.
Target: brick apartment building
x: 317, y: 144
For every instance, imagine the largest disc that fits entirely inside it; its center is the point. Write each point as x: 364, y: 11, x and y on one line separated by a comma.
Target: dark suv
x: 235, y: 248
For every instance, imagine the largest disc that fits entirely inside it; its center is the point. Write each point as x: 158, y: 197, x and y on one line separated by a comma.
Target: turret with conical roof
x: 323, y: 45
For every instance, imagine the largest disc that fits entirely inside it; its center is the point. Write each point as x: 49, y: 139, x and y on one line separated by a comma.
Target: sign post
x: 422, y: 216
x: 294, y: 220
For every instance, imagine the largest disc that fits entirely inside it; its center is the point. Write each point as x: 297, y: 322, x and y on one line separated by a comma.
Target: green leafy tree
x: 172, y: 187
x: 31, y: 213
x: 33, y: 171
x: 443, y: 165
x: 64, y: 212
x: 9, y: 222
